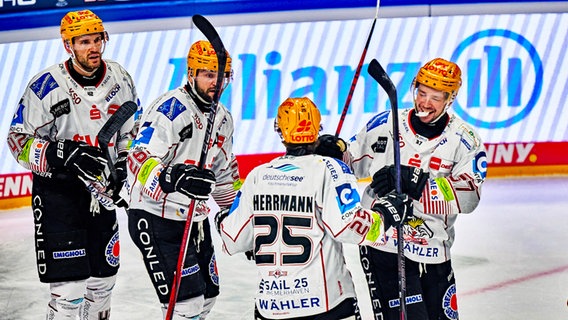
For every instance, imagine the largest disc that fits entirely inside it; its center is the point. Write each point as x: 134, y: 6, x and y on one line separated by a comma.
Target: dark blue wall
x: 48, y: 13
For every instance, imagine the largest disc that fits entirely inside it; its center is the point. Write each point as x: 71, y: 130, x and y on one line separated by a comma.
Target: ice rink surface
x: 510, y: 260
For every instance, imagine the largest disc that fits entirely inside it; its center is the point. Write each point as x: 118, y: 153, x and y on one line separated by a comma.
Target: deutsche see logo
x: 499, y: 61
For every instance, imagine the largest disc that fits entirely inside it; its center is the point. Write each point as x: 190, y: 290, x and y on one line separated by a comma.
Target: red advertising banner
x: 503, y: 160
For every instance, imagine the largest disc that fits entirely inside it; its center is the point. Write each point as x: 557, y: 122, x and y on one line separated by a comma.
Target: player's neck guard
x: 201, y: 104
x: 299, y: 149
x: 429, y: 130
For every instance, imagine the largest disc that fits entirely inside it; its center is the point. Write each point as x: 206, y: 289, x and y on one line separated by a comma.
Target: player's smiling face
x: 431, y: 101
x: 87, y: 50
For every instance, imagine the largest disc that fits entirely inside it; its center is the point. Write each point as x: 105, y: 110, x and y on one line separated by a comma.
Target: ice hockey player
x: 54, y: 134
x: 443, y: 166
x: 165, y: 175
x: 294, y: 213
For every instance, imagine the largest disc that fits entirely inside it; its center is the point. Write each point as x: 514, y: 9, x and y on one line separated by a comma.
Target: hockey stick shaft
x: 379, y: 74
x: 357, y: 73
x: 111, y: 127
x: 213, y: 37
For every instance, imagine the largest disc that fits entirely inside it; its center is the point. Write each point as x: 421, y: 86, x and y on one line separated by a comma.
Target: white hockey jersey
x: 457, y: 164
x: 54, y: 107
x: 294, y: 212
x: 172, y: 131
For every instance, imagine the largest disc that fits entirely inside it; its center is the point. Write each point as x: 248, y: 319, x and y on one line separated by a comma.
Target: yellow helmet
x: 78, y: 23
x: 202, y: 55
x: 442, y: 75
x: 298, y: 121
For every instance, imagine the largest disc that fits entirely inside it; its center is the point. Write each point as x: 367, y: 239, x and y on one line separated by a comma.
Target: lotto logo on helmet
x: 304, y: 126
x: 441, y: 68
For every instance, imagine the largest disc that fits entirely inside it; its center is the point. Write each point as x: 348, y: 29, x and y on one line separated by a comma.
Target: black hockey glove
x: 412, y: 181
x: 87, y: 162
x: 219, y: 217
x: 395, y: 208
x: 250, y: 255
x: 121, y: 174
x: 331, y: 146
x: 187, y: 179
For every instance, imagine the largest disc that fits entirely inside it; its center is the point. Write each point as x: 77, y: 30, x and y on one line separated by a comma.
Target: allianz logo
x: 502, y: 75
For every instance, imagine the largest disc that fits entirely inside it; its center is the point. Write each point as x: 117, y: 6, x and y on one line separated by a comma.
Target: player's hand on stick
x: 115, y: 186
x: 412, y: 181
x: 331, y: 146
x: 395, y: 208
x: 86, y: 161
x: 193, y: 182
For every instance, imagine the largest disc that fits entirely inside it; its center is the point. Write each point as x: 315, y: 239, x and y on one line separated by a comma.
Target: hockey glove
x: 189, y: 180
x: 395, y: 208
x: 250, y: 255
x: 331, y: 146
x: 219, y: 217
x: 412, y: 181
x: 121, y: 174
x: 85, y: 161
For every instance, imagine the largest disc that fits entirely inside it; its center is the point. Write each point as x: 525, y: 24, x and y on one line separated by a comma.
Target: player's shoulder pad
x: 468, y: 137
x: 378, y: 120
x: 44, y: 82
x: 114, y: 65
x: 335, y: 166
x: 171, y: 107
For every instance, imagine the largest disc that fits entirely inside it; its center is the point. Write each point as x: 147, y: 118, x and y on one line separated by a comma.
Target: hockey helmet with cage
x: 202, y: 55
x: 298, y: 121
x: 441, y: 75
x: 78, y: 23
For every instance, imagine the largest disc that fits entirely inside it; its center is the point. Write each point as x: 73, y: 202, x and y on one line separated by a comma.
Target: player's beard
x: 89, y: 65
x: 204, y: 94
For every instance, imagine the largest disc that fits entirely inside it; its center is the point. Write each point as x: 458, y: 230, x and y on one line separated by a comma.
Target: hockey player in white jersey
x: 443, y: 166
x: 294, y: 213
x: 54, y: 134
x: 164, y: 176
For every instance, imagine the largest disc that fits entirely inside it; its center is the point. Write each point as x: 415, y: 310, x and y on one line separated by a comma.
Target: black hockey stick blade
x: 213, y: 37
x: 111, y: 127
x: 115, y: 122
x: 209, y: 32
x: 380, y: 75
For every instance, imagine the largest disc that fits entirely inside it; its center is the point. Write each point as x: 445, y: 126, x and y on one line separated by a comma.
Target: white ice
x: 510, y: 261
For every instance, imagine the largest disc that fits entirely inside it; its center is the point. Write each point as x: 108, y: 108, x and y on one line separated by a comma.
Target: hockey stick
x: 357, y: 73
x: 379, y: 74
x: 111, y: 127
x: 213, y: 37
